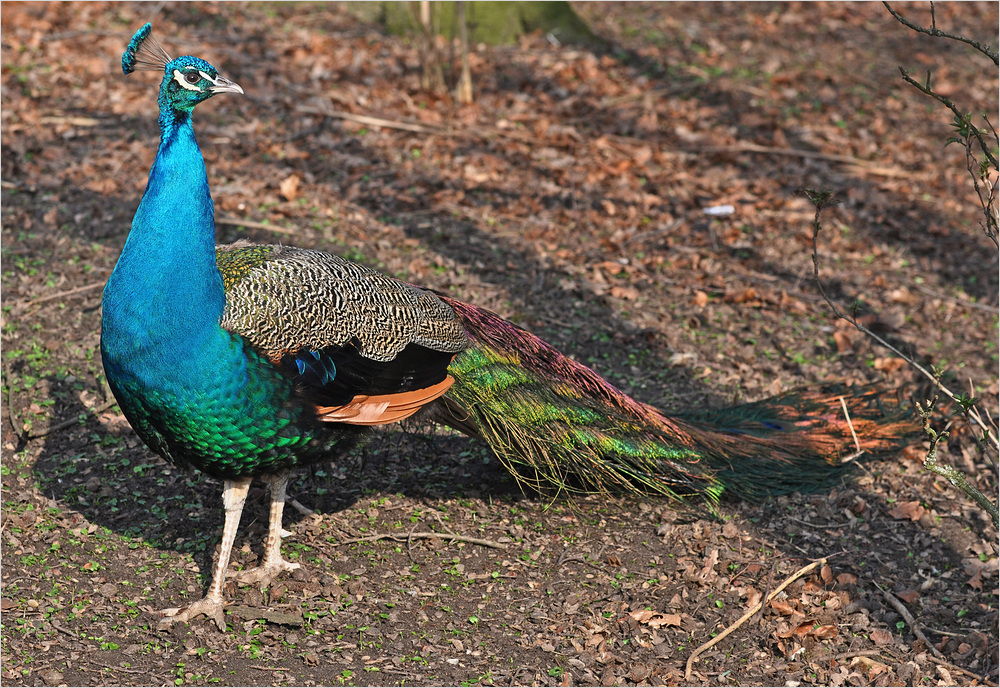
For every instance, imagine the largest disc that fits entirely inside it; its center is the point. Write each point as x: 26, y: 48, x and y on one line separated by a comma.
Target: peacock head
x: 187, y: 80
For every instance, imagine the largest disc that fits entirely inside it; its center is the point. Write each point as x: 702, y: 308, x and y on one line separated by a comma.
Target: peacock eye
x: 192, y: 77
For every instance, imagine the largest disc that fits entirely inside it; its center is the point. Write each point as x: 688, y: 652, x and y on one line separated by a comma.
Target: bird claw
x: 211, y: 608
x: 265, y: 573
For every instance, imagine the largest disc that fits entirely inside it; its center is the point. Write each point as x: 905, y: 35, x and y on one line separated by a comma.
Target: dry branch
x: 800, y: 153
x: 250, y: 224
x: 426, y: 535
x: 753, y: 610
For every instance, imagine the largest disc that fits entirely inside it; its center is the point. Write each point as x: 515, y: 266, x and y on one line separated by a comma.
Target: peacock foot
x: 265, y: 573
x: 209, y: 606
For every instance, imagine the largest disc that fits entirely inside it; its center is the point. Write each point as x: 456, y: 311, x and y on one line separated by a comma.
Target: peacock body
x: 247, y: 360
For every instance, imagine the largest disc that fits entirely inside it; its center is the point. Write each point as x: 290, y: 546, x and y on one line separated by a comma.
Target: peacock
x: 248, y: 360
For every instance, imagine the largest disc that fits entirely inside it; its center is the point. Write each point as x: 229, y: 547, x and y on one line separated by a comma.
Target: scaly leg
x: 234, y: 494
x: 273, y: 564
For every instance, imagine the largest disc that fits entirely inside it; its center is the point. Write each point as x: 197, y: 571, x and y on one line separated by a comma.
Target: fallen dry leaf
x: 975, y: 568
x: 782, y: 607
x: 709, y: 568
x: 843, y: 340
x: 903, y: 295
x: 911, y: 510
x: 655, y: 619
x: 625, y: 293
x: 889, y: 365
x: 867, y: 662
x: 881, y: 637
x: 847, y: 579
x: 826, y: 632
x: 804, y: 629
x: 289, y: 187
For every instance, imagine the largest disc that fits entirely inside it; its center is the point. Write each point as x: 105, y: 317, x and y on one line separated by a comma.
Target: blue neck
x: 165, y: 294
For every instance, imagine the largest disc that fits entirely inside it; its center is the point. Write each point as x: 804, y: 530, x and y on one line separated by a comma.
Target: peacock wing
x: 364, y: 348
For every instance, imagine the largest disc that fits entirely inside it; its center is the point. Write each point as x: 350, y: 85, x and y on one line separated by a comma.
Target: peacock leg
x: 234, y: 495
x: 273, y: 564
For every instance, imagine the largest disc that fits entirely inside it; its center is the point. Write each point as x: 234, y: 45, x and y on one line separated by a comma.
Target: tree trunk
x: 432, y: 73
x: 490, y: 22
x: 463, y: 90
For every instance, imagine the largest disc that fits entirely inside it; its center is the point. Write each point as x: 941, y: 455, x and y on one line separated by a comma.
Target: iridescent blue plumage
x: 197, y: 394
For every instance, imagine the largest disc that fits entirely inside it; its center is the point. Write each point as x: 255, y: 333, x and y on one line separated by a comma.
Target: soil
x: 575, y: 198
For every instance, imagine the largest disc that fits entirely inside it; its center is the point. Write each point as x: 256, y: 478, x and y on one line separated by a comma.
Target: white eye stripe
x: 179, y: 78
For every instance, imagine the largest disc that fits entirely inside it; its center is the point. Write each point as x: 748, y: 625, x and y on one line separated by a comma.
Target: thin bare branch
x: 910, y: 621
x: 938, y: 33
x: 821, y: 200
x: 947, y: 102
x: 954, y: 476
x: 426, y: 535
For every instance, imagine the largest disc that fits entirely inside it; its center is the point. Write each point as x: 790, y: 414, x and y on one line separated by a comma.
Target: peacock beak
x: 223, y: 85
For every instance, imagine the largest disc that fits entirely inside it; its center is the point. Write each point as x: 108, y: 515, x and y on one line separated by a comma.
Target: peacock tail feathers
x: 556, y: 424
x: 805, y: 440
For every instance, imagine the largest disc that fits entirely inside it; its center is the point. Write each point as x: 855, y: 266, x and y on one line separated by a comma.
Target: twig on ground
x: 818, y: 525
x: 376, y: 121
x: 865, y: 165
x: 753, y: 610
x: 250, y: 224
x: 954, y: 668
x: 425, y: 536
x: 101, y: 667
x: 850, y: 424
x: 848, y: 655
x: 910, y: 621
x: 409, y: 544
x: 15, y: 424
x: 72, y: 421
x: 72, y: 121
x: 64, y: 630
x: 563, y: 559
x: 767, y: 593
x: 301, y: 508
x: 949, y: 634
x: 59, y: 295
x: 959, y: 302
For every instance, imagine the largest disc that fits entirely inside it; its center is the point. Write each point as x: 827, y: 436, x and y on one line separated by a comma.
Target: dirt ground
x: 571, y: 198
